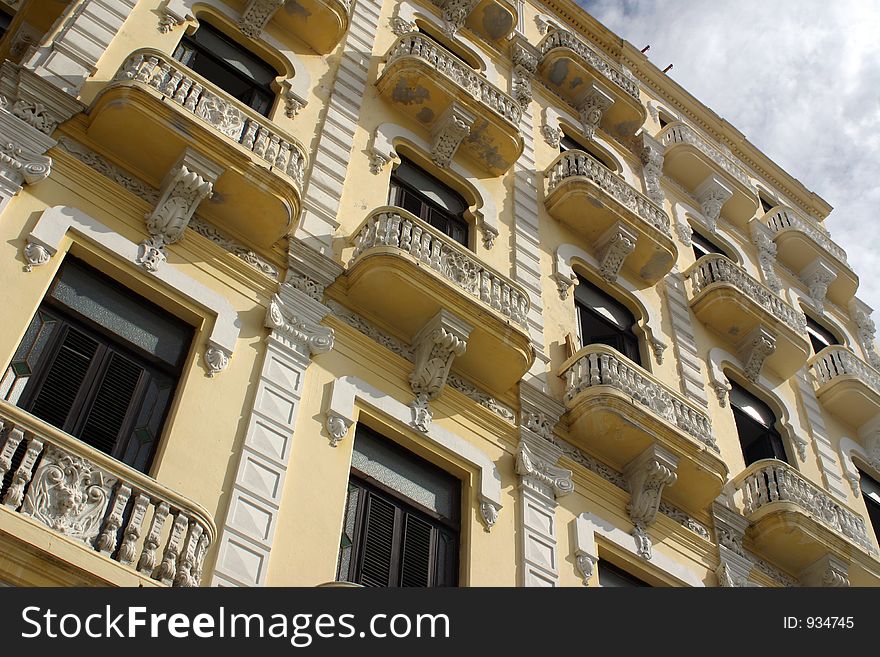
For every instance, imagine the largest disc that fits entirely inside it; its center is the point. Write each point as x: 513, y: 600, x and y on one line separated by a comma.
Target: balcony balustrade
x: 846, y: 385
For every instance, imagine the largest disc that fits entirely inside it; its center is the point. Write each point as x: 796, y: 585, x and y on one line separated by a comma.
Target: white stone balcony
x: 799, y: 243
x: 592, y: 199
x: 693, y: 160
x: 617, y: 409
x: 458, y: 106
x: 320, y: 23
x: 795, y: 523
x: 571, y: 67
x: 735, y: 305
x: 155, y: 107
x: 846, y: 385
x: 403, y: 272
x: 111, y: 522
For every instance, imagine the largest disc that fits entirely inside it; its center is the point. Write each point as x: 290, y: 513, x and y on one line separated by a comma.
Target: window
x: 604, y: 320
x: 820, y: 337
x: 766, y: 205
x: 5, y: 21
x: 100, y: 364
x: 567, y: 143
x: 871, y: 494
x: 451, y: 45
x: 756, y: 427
x: 611, y: 575
x: 221, y: 60
x: 401, y: 519
x: 703, y: 246
x: 430, y: 200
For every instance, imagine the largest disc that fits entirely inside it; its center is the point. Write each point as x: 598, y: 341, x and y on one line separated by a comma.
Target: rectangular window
x: 614, y: 576
x: 100, y: 364
x: 402, y: 518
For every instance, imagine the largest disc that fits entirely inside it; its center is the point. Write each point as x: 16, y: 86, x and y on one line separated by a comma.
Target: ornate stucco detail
x: 455, y: 13
x: 542, y: 24
x: 730, y: 528
x: 539, y: 423
x: 613, y: 248
x: 34, y: 100
x: 861, y: 315
x: 256, y: 15
x: 595, y: 103
x: 817, y: 276
x: 766, y: 255
x: 829, y: 571
x: 293, y: 104
x: 651, y: 156
x: 721, y: 389
x: 377, y: 162
x: 216, y: 359
x: 296, y: 328
x: 542, y: 472
x: 109, y: 170
x: 525, y: 63
x: 488, y: 232
x: 188, y: 183
x: 35, y: 255
x: 564, y: 284
x: 401, y: 26
x: 754, y: 350
x: 237, y: 249
x: 657, y: 348
x: 436, y: 344
x: 680, y: 133
x: 712, y: 194
x: 685, y: 232
x: 552, y: 134
x: 337, y: 426
x: 448, y: 133
x: 168, y: 20
x: 647, y: 475
x: 489, y: 513
x: 21, y: 165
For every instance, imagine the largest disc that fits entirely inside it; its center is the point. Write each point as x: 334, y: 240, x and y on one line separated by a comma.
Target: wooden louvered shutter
x: 63, y: 382
x: 377, y: 551
x: 109, y: 414
x: 415, y: 562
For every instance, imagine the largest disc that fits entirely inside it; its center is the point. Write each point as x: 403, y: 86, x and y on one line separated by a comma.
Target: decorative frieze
x: 754, y: 350
x: 188, y: 183
x: 595, y: 103
x: 647, y: 475
x: 817, y: 276
x: 712, y: 194
x: 613, y: 248
x: 448, y: 133
x: 436, y: 344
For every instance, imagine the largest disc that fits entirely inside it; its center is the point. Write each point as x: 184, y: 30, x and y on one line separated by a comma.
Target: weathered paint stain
x: 409, y: 95
x: 496, y: 21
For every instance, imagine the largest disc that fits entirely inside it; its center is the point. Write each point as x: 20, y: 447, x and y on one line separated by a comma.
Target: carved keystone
x: 712, y: 194
x: 613, y: 248
x: 436, y: 344
x: 754, y: 350
x: 817, y: 276
x: 647, y: 475
x: 595, y: 103
x: 188, y: 183
x: 829, y: 571
x: 256, y: 15
x: 448, y: 133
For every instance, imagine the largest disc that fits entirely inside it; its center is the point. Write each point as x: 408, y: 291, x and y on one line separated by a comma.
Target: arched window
x: 820, y: 336
x: 402, y: 518
x: 240, y: 73
x: 702, y: 246
x: 756, y: 427
x: 569, y: 143
x: 871, y: 494
x: 415, y: 190
x: 604, y: 320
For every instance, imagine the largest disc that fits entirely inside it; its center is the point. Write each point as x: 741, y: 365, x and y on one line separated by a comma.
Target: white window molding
x: 383, y: 150
x: 587, y: 526
x: 649, y: 322
x: 341, y: 415
x: 46, y: 237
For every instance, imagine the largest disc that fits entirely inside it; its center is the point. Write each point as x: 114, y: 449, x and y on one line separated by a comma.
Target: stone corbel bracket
x: 437, y: 343
x: 455, y: 14
x: 651, y: 156
x: 189, y: 182
x: 763, y: 240
x: 525, y: 63
x: 301, y: 327
x: 592, y: 107
x: 734, y: 566
x: 754, y: 350
x: 613, y: 247
x: 647, y: 475
x: 817, y: 276
x: 828, y: 571
x: 712, y: 194
x: 53, y: 225
x: 256, y: 16
x: 550, y: 479
x: 448, y: 132
x: 341, y: 413
x: 860, y: 313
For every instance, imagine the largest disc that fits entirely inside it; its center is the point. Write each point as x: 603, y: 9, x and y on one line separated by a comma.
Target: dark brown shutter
x: 415, y: 567
x: 378, y: 544
x: 65, y: 377
x: 108, y: 414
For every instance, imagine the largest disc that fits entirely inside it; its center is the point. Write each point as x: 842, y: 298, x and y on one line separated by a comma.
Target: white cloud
x: 801, y: 79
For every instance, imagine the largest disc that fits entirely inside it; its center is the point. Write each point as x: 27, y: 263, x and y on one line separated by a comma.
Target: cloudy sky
x: 800, y: 78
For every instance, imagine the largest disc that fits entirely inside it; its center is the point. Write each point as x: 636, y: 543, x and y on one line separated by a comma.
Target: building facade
x: 411, y: 293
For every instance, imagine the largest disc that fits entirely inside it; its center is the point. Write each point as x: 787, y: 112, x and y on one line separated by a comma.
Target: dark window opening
x: 101, y: 364
x: 871, y: 495
x: 5, y: 21
x: 756, y: 427
x: 614, y: 576
x: 402, y: 518
x: 766, y: 205
x: 604, y: 320
x: 663, y: 121
x: 567, y: 143
x: 221, y: 60
x: 820, y: 337
x: 703, y: 246
x: 430, y: 200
